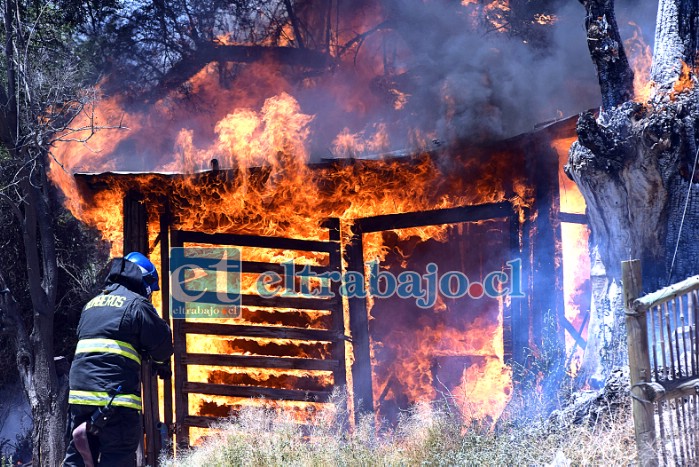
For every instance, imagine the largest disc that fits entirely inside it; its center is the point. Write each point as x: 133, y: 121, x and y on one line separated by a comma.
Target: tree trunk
x: 633, y: 164
x: 46, y: 391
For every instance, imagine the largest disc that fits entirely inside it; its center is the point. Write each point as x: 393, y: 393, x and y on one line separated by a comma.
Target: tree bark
x: 633, y: 164
x: 675, y: 41
x: 46, y: 392
x: 607, y: 51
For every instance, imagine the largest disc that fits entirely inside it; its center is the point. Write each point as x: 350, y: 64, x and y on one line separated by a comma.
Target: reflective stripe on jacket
x: 108, y: 346
x: 131, y: 401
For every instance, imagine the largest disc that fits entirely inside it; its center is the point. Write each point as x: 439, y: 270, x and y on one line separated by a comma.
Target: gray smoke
x: 461, y: 83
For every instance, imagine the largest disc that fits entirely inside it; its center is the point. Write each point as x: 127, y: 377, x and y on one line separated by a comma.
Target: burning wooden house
x: 501, y: 214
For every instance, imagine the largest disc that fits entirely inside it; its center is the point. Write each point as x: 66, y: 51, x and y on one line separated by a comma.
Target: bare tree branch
x: 607, y: 52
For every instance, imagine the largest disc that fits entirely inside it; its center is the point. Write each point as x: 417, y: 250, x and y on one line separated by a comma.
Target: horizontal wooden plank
x: 658, y: 391
x: 255, y: 361
x: 272, y: 332
x: 260, y: 267
x: 568, y: 326
x: 666, y: 294
x: 298, y: 303
x: 434, y: 217
x: 201, y: 421
x: 277, y: 301
x: 255, y: 391
x: 572, y: 218
x: 180, y: 237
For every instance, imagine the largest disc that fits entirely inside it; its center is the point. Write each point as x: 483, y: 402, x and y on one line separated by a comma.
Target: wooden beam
x: 359, y: 327
x: 165, y: 312
x: 659, y: 391
x: 202, y: 421
x: 255, y: 391
x: 254, y: 241
x: 338, y: 316
x: 136, y: 239
x: 298, y: 303
x: 434, y: 217
x: 253, y: 361
x: 180, y: 374
x: 639, y: 364
x: 277, y: 301
x: 574, y: 333
x: 270, y: 332
x: 665, y: 294
x: 512, y: 311
x: 257, y: 267
x: 573, y: 218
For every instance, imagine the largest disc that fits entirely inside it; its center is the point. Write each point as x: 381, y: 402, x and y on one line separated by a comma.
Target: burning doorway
x: 454, y: 329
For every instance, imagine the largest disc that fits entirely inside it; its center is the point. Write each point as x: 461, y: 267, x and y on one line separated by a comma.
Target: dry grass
x: 426, y: 436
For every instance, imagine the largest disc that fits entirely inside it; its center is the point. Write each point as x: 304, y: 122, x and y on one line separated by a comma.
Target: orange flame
x: 575, y: 256
x: 270, y: 189
x: 260, y: 136
x: 545, y: 19
x: 685, y: 81
x: 493, y: 13
x: 640, y: 58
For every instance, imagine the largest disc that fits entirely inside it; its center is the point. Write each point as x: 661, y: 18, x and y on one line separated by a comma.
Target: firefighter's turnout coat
x: 118, y: 329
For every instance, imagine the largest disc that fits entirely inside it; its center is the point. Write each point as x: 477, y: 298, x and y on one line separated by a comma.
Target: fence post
x: 639, y: 364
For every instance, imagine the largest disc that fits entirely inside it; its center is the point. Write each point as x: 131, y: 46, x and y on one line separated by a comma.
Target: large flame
x: 640, y: 58
x: 270, y: 189
x: 272, y: 182
x: 685, y: 81
x: 576, y: 260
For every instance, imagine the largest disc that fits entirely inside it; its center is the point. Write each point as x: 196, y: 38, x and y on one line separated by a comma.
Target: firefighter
x: 118, y: 329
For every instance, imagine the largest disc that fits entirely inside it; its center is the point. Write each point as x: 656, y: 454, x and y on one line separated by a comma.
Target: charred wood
x: 256, y: 392
x: 253, y: 361
x: 607, y: 52
x: 675, y: 41
x: 271, y: 332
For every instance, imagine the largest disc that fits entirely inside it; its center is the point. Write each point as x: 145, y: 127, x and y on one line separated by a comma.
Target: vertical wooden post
x: 180, y: 374
x: 639, y: 364
x: 136, y: 239
x: 359, y: 326
x: 516, y: 316
x: 338, y: 318
x: 547, y: 302
x: 165, y: 308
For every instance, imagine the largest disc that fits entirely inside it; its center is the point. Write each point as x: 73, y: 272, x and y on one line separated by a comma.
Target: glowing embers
x: 452, y: 350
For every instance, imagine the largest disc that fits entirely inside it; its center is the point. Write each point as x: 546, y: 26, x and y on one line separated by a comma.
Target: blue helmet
x: 150, y: 274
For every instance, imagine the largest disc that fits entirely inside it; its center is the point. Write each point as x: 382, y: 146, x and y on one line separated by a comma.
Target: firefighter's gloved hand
x: 163, y: 370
